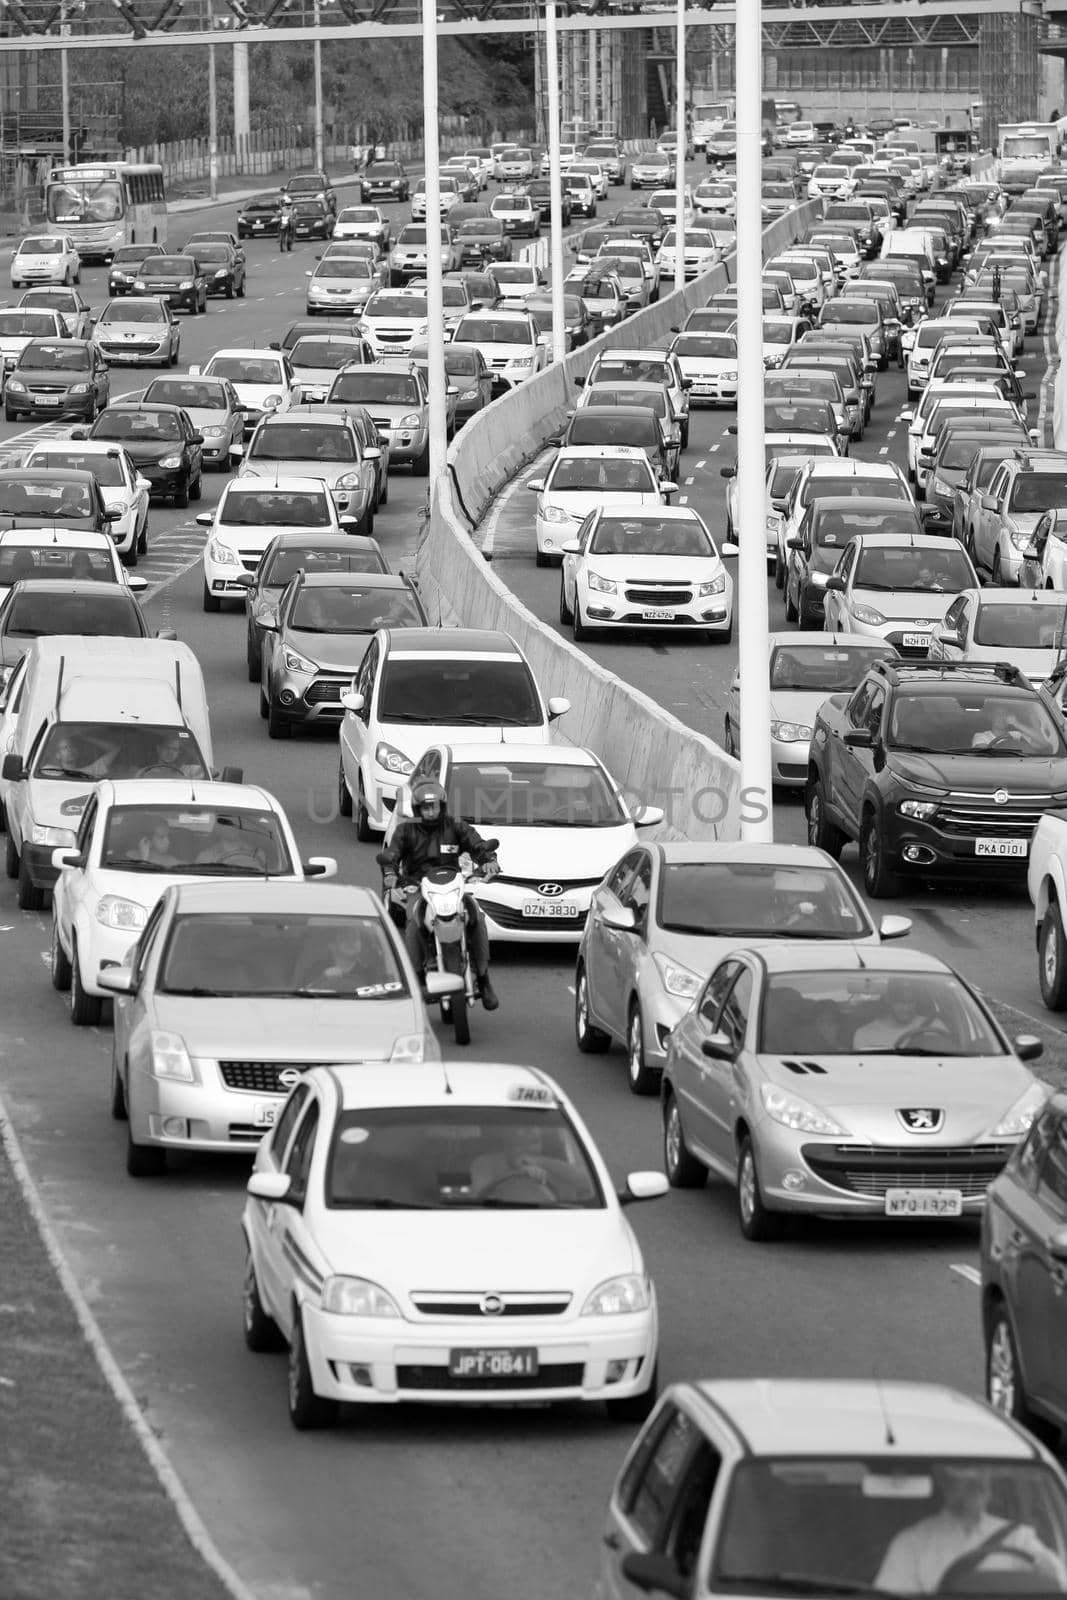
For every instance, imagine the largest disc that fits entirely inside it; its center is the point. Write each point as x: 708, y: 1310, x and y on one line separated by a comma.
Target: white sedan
x: 122, y: 487
x: 665, y: 201
x: 700, y: 252
x: 709, y: 363
x: 45, y: 258
x: 535, y: 1289
x: 583, y: 477
x: 249, y: 514
x: 652, y: 567
x: 363, y: 222
x: 263, y: 379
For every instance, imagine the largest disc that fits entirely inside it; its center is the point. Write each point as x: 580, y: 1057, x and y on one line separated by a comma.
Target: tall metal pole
x: 213, y: 128
x: 679, y: 129
x: 555, y: 179
x: 64, y: 90
x: 757, y: 823
x: 435, y: 337
x: 317, y: 47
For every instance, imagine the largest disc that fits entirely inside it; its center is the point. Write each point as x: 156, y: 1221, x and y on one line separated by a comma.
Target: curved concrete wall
x: 653, y: 756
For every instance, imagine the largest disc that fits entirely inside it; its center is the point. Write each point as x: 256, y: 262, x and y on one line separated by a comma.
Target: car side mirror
x: 894, y: 927
x: 1027, y: 1046
x: 717, y: 1047
x: 320, y: 867
x: 272, y: 1186
x: 643, y: 1186
x: 245, y: 580
x: 906, y: 416
x: 795, y: 544
x: 204, y: 519
x: 570, y: 547
x: 64, y: 856
x: 859, y: 738
x: 119, y: 980
x: 835, y: 584
x: 728, y: 472
x: 13, y: 769
x: 136, y: 584
x: 536, y: 484
x: 353, y: 700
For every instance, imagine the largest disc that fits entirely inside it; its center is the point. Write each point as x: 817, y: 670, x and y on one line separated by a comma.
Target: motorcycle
x: 443, y: 889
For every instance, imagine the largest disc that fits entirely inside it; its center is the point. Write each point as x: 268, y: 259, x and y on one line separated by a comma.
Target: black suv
x: 313, y: 186
x: 385, y: 180
x: 937, y: 769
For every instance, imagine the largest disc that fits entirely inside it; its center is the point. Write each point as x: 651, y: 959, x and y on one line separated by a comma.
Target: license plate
x: 548, y: 908
x: 657, y: 616
x: 915, y: 641
x: 923, y: 1203
x: 702, y: 388
x: 1001, y: 847
x: 388, y: 344
x: 513, y: 1363
x: 264, y: 1113
x: 257, y: 225
x: 46, y: 400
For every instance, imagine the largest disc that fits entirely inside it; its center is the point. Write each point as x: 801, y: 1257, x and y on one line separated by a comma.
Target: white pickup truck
x: 1046, y: 879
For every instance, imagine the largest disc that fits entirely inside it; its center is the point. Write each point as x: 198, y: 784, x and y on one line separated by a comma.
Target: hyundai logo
x: 1001, y: 797
x: 491, y: 1305
x: 551, y: 891
x: 922, y: 1119
x: 288, y: 1077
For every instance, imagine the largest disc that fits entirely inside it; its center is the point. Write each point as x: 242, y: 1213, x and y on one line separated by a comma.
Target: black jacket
x: 414, y: 848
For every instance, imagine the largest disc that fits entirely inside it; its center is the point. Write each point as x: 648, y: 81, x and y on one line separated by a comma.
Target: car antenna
x: 444, y: 1074
x: 890, y: 1436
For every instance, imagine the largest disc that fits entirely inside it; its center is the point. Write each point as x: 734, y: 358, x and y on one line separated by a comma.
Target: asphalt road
x: 427, y: 1504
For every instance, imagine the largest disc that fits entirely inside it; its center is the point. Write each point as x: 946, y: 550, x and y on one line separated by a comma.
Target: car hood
x: 253, y: 394
x: 797, y: 705
x: 334, y: 652
x: 284, y: 1029
x: 202, y: 417
x: 559, y: 853
x: 254, y: 535
x: 578, y: 503
x: 414, y: 740
x: 328, y: 471
x: 1035, y: 663
x: 32, y: 376
x: 118, y: 328
x: 469, y: 1251
x: 681, y: 569
x: 150, y: 449
x: 865, y: 1093
x: 56, y: 803
x: 921, y: 606
x: 982, y: 774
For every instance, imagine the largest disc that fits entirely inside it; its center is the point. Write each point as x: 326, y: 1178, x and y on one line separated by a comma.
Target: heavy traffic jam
x: 397, y: 1061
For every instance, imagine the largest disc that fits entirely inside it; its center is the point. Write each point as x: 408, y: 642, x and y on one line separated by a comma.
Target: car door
x: 955, y: 626
x: 1040, y: 1279
x: 73, y: 888
x: 355, y: 726
x: 272, y: 636
x: 572, y: 562
x: 625, y: 961
x: 101, y: 378
x: 288, y: 1235
x: 132, y: 1041
x: 192, y: 447
x: 835, y: 602
x: 690, y: 1068
x: 265, y: 1216
x: 987, y: 522
x: 604, y: 950
x: 724, y: 1081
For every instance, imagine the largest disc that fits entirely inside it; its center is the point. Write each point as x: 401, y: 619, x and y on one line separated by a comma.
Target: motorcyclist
x: 431, y: 839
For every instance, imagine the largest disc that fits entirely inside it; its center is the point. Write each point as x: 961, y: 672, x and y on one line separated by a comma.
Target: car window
x: 651, y: 1486
x: 618, y: 879
x: 300, y: 1153
x: 733, y: 1019
x: 685, y: 1530
x: 287, y: 1121
x: 715, y: 990
x: 142, y: 950
x: 1052, y: 1193
x: 85, y: 828
x: 639, y: 889
x: 873, y: 716
x: 857, y: 707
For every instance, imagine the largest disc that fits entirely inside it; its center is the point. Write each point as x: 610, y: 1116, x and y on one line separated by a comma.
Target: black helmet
x: 428, y: 793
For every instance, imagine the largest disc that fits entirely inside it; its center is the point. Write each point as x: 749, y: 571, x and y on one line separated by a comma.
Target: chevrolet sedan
x: 57, y: 378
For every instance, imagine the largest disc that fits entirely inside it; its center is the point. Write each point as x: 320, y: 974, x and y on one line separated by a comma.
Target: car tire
x: 1003, y: 1379
x: 277, y: 727
x: 254, y: 658
x: 879, y: 881
x: 85, y: 1009
x: 172, y: 360
x: 130, y: 558
x: 591, y: 1040
x: 181, y: 496
x: 822, y: 833
x: 635, y: 1407
x: 142, y: 537
x: 364, y: 832
x: 116, y: 1093
x: 344, y: 793
x: 29, y: 896
x: 58, y: 962
x: 729, y: 741
x: 582, y: 634
x: 790, y: 607
x: 779, y: 572
x: 211, y: 602
x: 10, y: 414
x: 420, y: 467
x: 1052, y: 959
x: 261, y: 1332
x: 644, y: 1080
x: 757, y: 1224
x: 566, y: 616
x: 196, y: 488
x: 11, y: 857
x: 684, y: 1170
x: 143, y: 1160
x: 996, y: 576
x: 306, y: 1408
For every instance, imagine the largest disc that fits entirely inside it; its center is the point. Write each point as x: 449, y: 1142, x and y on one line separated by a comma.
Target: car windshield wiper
x: 487, y: 720
x: 135, y: 864
x: 64, y: 772
x: 800, y: 1583
x: 382, y: 1204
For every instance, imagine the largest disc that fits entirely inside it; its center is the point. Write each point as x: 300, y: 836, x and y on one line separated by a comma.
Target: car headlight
x: 186, y: 283
x: 393, y: 760
x: 412, y: 420
x: 939, y: 486
x: 171, y: 462
x: 213, y: 433
x: 293, y: 661
x: 222, y: 555
x: 676, y: 979
x: 774, y: 522
x: 793, y: 1112
x: 869, y: 615
x: 316, y: 289
x: 170, y: 1058
x: 919, y: 809
x: 138, y: 283
x: 728, y: 377
x: 350, y: 480
x: 222, y: 272
x: 599, y: 584
x: 120, y: 507
x: 1020, y: 540
x: 272, y: 402
x: 39, y: 834
x: 791, y: 732
x: 555, y: 514
x: 357, y: 1297
x: 126, y: 915
x: 469, y: 394
x: 1019, y: 1118
x: 524, y: 361
x: 713, y: 586
x: 630, y: 1291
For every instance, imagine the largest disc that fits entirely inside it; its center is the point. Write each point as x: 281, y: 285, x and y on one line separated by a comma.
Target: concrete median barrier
x: 654, y: 757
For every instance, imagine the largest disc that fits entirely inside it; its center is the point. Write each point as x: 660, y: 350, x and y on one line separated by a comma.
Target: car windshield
x: 799, y: 417
x: 436, y: 1158
x: 282, y: 508
x: 345, y: 267
x: 802, y: 381
x: 822, y: 669
x: 56, y: 561
x: 131, y: 311
x: 841, y: 1525
x: 757, y: 898
x: 849, y: 311
x: 56, y: 501
x: 247, y: 369
x: 23, y: 324
x: 137, y: 426
x: 706, y: 344
x: 602, y: 475
x: 778, y: 332
x: 170, y: 267
x: 1039, y: 491
x: 651, y: 399
x: 519, y: 273
x: 975, y: 722
x: 32, y: 615
x: 855, y: 488
x: 864, y: 1012
x: 634, y: 369
x: 89, y: 751
x: 188, y: 392
x: 651, y: 536
x: 911, y: 569
x: 834, y: 527
x: 302, y: 441
x: 480, y: 227
x: 405, y: 307
x: 361, y: 214
x: 195, y: 840
x: 448, y: 693
x: 276, y: 569
x: 324, y: 354
x: 376, y: 386
x: 495, y: 793
x: 210, y: 250
x: 105, y: 465
x: 601, y: 428
x: 493, y: 330
x: 65, y: 357
x: 282, y: 955
x: 353, y: 610
x: 1022, y: 624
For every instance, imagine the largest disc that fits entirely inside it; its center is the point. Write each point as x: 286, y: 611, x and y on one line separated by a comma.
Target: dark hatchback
x: 37, y: 608
x: 46, y: 497
x: 285, y: 556
x: 385, y: 180
x: 162, y: 444
x: 57, y: 378
x: 312, y: 219
x: 126, y: 266
x: 540, y: 192
x: 261, y: 216
x: 483, y: 239
x: 176, y: 279
x: 223, y: 268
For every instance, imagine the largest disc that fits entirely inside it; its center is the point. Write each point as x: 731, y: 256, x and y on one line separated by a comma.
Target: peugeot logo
x: 491, y: 1305
x: 922, y: 1119
x: 551, y: 891
x: 1001, y: 797
x: 288, y: 1077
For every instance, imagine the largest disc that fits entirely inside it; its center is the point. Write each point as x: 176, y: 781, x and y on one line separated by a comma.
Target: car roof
x: 356, y: 580
x: 563, y: 755
x: 332, y: 418
x: 804, y: 1417
x: 92, y: 447
x: 184, y: 792
x: 283, y: 485
x: 320, y: 539
x: 247, y: 350
x: 333, y: 899
x: 451, y: 642
x: 652, y: 513
x: 862, y: 505
x: 601, y: 452
x: 691, y: 853
x: 630, y: 353
x: 853, y: 467
x: 139, y: 405
x: 56, y: 475
x: 86, y: 538
x: 66, y: 586
x: 453, y: 1083
x: 917, y: 541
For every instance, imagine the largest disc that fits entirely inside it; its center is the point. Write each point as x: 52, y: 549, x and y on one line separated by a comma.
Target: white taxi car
x: 249, y: 513
x: 650, y: 567
x: 534, y: 1290
x: 582, y: 477
x: 393, y: 320
x: 77, y: 553
x: 136, y: 838
x: 1027, y: 627
x: 45, y: 258
x: 263, y: 379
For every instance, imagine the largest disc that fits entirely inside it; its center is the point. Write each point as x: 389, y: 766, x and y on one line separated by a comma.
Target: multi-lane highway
x: 438, y: 1503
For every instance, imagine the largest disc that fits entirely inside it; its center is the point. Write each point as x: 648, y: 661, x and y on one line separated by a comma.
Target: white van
x: 918, y: 245
x: 77, y: 710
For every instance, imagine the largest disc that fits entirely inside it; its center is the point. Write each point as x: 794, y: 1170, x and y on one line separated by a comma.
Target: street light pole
x: 757, y: 823
x: 64, y: 90
x: 435, y: 315
x: 317, y: 47
x: 212, y: 125
x: 679, y: 160
x: 555, y: 179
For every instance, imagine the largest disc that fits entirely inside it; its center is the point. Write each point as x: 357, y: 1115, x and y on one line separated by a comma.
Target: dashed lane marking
x: 968, y: 1274
x: 884, y: 450
x: 701, y: 464
x: 688, y: 482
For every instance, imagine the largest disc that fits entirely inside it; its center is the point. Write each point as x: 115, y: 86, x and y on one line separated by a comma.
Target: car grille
x: 244, y: 1133
x: 401, y: 335
x: 324, y: 691
x: 984, y: 816
x: 532, y: 883
x: 562, y: 1375
x: 650, y: 596
x: 136, y: 347
x: 511, y: 917
x: 261, y: 1077
x: 47, y: 388
x: 969, y: 1168
x: 473, y: 1305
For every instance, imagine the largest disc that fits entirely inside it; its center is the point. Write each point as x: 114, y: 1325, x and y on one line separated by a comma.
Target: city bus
x: 104, y: 205
x: 708, y: 117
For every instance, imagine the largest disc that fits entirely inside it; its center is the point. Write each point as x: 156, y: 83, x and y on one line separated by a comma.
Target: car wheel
x: 173, y: 359
x: 254, y: 657
x: 58, y: 961
x: 10, y: 414
x: 306, y: 1408
x: 91, y: 410
x: 420, y: 467
x: 757, y: 1223
x: 566, y: 616
x: 142, y: 537
x: 1004, y: 1380
x: 30, y: 897
x: 117, y: 1094
x: 364, y: 832
x: 581, y: 633
x: 591, y: 1040
x: 1052, y: 959
x: 196, y: 489
x: 729, y: 741
x: 344, y: 793
x: 85, y: 1008
x: 635, y: 1407
x: 790, y: 605
x: 277, y: 727
x: 181, y: 496
x: 683, y: 1169
x: 822, y: 833
x: 143, y: 1160
x: 779, y: 571
x: 230, y: 290
x: 130, y: 558
x: 643, y: 1078
x: 996, y: 576
x: 879, y: 880
x: 261, y: 1332
x: 11, y: 857
x: 211, y: 602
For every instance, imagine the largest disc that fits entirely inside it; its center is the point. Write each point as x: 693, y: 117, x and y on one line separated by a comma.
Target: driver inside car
x: 177, y: 754
x: 904, y: 1016
x: 952, y: 1551
x: 523, y: 1160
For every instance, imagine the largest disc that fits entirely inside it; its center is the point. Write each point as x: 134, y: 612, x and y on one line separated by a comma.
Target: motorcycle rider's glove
x: 490, y: 868
x: 389, y: 882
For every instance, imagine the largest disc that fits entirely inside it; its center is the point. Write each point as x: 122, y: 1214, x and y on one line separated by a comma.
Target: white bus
x: 708, y: 117
x: 104, y: 205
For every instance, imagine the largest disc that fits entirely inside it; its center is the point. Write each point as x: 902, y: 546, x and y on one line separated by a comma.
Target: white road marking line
x: 688, y: 481
x: 891, y: 434
x: 683, y: 499
x: 714, y: 447
x: 702, y: 463
x: 884, y: 450
x: 570, y: 988
x: 969, y: 1274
